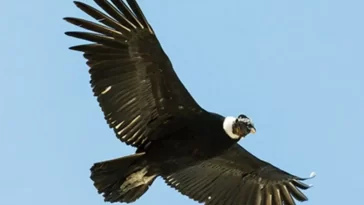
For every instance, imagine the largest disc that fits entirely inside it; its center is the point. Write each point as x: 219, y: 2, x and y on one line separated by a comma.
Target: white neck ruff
x: 228, y: 127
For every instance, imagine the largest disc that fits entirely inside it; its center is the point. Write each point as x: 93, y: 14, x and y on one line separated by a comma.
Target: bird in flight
x: 195, y: 151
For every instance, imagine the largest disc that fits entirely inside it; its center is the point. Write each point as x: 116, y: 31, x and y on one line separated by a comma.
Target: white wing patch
x: 136, y: 179
x: 130, y: 124
x: 117, y: 126
x: 106, y: 90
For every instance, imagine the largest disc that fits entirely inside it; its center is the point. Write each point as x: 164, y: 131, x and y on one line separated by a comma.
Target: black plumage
x: 143, y: 100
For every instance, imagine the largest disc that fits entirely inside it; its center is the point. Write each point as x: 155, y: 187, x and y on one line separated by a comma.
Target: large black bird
x: 193, y: 150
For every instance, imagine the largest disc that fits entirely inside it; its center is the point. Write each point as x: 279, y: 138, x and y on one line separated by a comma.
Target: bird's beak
x: 253, y: 130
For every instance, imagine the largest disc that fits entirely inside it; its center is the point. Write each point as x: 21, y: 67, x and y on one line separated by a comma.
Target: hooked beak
x: 253, y: 130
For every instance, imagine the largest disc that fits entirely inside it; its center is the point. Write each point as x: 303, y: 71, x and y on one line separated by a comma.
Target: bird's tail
x: 123, y: 179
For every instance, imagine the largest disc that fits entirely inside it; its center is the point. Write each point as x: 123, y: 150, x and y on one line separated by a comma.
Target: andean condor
x: 195, y: 151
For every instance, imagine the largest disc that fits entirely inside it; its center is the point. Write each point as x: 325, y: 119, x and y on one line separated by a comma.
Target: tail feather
x: 123, y: 179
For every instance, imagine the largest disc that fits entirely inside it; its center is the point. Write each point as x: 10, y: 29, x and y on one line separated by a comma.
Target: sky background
x: 295, y: 67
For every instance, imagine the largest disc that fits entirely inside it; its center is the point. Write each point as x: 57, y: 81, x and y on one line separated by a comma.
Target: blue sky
x: 295, y: 67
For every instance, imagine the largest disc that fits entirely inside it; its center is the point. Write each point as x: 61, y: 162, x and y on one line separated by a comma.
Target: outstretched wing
x: 238, y: 178
x: 131, y: 76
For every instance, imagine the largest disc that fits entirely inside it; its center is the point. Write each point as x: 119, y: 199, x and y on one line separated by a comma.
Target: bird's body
x: 197, y: 140
x: 195, y: 151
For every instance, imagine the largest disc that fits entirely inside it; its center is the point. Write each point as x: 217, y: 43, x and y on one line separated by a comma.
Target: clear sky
x: 295, y: 67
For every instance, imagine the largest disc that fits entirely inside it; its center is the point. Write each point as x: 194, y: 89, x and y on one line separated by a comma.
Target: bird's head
x: 238, y: 128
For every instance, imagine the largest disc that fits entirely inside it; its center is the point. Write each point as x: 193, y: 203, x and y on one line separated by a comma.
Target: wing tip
x: 74, y: 48
x: 83, y: 6
x: 68, y: 19
x: 70, y: 33
x: 77, y: 3
x: 312, y: 175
